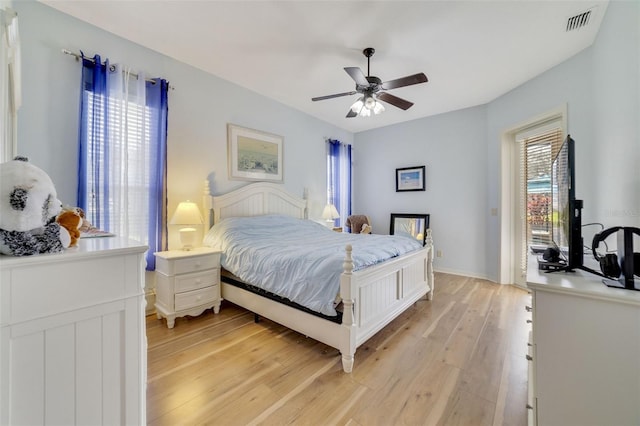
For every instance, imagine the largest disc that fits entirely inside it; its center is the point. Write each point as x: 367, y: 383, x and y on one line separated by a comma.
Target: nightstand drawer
x: 196, y: 263
x: 196, y: 297
x: 196, y: 280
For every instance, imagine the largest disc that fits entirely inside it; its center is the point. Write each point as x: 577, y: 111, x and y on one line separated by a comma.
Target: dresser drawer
x: 188, y: 282
x: 193, y: 298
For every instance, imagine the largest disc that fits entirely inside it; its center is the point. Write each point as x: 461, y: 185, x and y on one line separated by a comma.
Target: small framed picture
x: 254, y: 155
x: 410, y: 179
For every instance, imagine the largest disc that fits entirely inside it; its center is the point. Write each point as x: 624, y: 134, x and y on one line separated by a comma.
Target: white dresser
x: 72, y: 336
x: 187, y: 283
x: 585, y: 350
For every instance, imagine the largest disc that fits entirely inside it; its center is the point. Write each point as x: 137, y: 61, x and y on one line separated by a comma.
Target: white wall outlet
x: 438, y: 253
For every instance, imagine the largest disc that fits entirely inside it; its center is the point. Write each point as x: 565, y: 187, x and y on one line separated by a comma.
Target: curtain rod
x: 79, y: 56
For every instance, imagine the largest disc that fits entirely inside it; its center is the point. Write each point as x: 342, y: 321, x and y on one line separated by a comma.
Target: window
x: 10, y: 86
x: 538, y: 146
x: 339, y: 178
x: 113, y: 178
x: 122, y: 164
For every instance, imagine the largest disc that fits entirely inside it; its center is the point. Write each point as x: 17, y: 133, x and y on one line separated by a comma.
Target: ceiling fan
x: 373, y: 89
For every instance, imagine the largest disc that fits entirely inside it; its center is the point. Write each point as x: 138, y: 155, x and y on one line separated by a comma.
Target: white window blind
x: 127, y: 177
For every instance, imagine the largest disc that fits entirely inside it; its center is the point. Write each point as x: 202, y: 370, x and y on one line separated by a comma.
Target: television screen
x: 566, y: 220
x: 560, y: 189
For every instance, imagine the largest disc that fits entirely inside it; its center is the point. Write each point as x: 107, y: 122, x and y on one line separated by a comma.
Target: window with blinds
x: 127, y: 174
x: 538, y: 147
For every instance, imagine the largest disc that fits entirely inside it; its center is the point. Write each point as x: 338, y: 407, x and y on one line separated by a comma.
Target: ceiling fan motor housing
x: 375, y: 84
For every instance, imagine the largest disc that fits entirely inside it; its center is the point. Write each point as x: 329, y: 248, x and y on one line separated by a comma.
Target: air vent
x: 578, y: 21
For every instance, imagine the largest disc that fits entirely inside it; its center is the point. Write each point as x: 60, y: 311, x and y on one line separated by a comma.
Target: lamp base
x: 187, y: 238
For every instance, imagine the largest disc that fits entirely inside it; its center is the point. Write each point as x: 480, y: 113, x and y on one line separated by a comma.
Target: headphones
x: 609, y: 262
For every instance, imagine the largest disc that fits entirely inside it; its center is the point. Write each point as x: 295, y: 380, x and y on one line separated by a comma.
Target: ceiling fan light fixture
x: 378, y: 108
x: 369, y: 102
x: 358, y: 105
x: 365, y: 106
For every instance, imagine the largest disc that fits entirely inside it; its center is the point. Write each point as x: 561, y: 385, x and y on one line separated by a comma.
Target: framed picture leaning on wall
x: 254, y: 155
x: 412, y: 225
x: 410, y: 179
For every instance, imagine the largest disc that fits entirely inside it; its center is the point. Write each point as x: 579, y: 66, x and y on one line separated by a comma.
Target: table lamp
x: 330, y: 213
x: 187, y: 213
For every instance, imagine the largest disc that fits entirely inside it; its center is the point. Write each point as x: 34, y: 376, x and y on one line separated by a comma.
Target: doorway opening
x: 527, y: 152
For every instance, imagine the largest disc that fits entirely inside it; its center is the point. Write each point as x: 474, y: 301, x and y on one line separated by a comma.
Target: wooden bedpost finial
x: 346, y: 292
x: 429, y: 240
x: 348, y: 261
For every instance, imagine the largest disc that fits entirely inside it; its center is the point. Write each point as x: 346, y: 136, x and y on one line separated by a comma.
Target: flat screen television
x: 566, y: 211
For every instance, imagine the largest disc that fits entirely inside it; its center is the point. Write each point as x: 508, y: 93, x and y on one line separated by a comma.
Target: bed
x: 371, y: 297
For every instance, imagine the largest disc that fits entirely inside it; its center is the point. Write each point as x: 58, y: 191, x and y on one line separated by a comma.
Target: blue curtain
x: 94, y: 143
x: 93, y: 133
x: 157, y: 96
x: 339, y: 177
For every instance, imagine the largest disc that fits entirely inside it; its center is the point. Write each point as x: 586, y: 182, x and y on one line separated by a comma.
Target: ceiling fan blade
x: 351, y: 114
x: 357, y: 75
x: 405, y: 81
x: 337, y: 95
x: 395, y: 101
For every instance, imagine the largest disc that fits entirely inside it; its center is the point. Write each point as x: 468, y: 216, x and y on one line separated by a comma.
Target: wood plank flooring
x: 456, y: 360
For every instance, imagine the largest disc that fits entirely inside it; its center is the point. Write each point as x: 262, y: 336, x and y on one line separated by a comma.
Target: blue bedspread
x: 298, y: 259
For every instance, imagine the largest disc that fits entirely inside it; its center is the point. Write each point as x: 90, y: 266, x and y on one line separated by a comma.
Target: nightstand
x: 187, y: 283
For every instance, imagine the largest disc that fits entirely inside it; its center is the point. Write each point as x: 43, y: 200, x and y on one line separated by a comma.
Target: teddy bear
x: 366, y: 229
x: 72, y: 221
x: 28, y: 208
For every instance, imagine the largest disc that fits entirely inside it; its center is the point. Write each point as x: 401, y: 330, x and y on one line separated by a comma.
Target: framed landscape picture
x: 254, y: 155
x: 410, y: 179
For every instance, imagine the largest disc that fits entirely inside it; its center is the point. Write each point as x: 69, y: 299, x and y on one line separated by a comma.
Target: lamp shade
x: 330, y: 212
x: 187, y: 213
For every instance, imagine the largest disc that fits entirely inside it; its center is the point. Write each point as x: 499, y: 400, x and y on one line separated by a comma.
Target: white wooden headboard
x: 255, y: 199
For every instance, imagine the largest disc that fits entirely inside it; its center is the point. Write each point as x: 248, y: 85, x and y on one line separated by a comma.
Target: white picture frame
x: 254, y: 155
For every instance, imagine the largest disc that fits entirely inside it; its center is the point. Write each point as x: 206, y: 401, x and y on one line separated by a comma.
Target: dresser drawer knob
x: 529, y: 321
x: 529, y: 357
x: 528, y: 308
x: 529, y: 407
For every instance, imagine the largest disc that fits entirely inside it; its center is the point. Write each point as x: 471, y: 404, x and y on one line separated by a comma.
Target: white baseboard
x: 463, y: 273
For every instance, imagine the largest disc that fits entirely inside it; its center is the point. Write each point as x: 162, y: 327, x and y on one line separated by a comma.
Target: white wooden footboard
x: 374, y: 296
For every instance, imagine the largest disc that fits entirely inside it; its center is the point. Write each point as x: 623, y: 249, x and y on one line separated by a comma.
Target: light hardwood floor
x: 457, y: 360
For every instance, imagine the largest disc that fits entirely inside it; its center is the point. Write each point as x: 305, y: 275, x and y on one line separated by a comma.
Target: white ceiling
x: 471, y: 51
